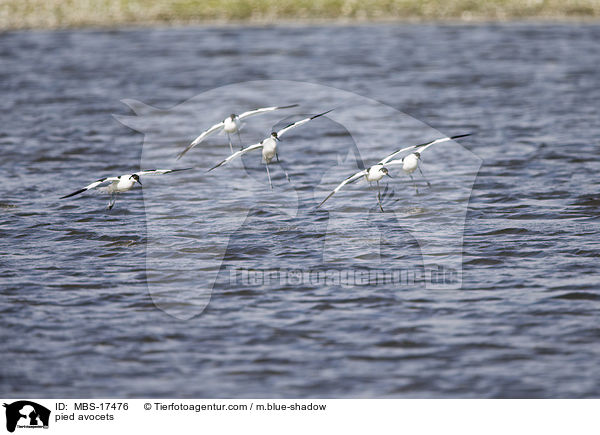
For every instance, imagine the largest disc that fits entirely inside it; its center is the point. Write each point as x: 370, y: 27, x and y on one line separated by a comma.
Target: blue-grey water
x: 78, y: 317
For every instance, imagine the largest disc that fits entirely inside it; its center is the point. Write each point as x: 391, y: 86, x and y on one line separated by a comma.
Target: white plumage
x: 376, y: 172
x: 231, y: 125
x: 269, y: 146
x: 120, y: 184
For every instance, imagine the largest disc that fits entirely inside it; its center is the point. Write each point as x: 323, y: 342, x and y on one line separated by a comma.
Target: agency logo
x: 25, y: 414
x: 237, y: 216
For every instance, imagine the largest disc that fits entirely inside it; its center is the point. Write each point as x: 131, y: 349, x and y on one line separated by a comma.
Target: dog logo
x: 26, y: 414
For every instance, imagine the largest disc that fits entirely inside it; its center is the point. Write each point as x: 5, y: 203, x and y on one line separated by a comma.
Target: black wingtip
x: 323, y: 202
x: 183, y: 169
x: 215, y: 167
x: 73, y: 194
x: 181, y: 154
x: 288, y: 107
x: 328, y: 196
x: 321, y: 114
x: 460, y: 135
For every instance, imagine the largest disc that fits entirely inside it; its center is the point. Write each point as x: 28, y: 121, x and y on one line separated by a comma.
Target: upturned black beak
x: 139, y: 181
x: 388, y: 174
x: 278, y: 138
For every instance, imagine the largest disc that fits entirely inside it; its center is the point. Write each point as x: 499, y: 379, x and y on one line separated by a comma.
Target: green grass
x: 27, y: 14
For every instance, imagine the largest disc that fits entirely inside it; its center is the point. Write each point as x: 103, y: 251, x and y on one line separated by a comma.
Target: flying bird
x: 410, y: 162
x: 120, y: 184
x: 231, y: 124
x: 376, y: 172
x: 269, y: 146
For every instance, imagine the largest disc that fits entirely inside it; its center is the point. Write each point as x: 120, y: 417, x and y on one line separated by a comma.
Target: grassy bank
x: 29, y: 14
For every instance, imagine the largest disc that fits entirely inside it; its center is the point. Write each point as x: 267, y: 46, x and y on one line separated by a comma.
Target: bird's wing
x: 394, y: 162
x: 92, y: 186
x: 421, y: 147
x: 350, y: 179
x: 395, y: 153
x: 263, y: 110
x: 200, y: 138
x: 237, y: 154
x: 160, y: 171
x: 299, y: 123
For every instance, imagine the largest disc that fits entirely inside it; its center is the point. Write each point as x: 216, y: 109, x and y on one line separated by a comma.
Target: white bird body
x: 125, y: 183
x: 231, y: 124
x: 410, y: 163
x: 269, y: 149
x: 375, y: 173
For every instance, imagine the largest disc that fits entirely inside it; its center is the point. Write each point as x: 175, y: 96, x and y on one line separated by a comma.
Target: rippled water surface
x: 78, y: 296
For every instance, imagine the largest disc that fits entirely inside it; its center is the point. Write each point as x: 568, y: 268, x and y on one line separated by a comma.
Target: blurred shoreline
x: 70, y: 14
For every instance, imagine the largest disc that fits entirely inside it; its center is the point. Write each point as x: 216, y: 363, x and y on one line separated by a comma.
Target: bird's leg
x: 284, y: 171
x: 269, y: 176
x: 379, y: 196
x: 230, y: 146
x: 240, y: 138
x: 414, y: 183
x: 424, y: 177
x: 111, y: 203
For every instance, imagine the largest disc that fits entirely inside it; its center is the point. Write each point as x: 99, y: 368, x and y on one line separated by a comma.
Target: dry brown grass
x: 34, y: 14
